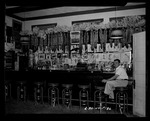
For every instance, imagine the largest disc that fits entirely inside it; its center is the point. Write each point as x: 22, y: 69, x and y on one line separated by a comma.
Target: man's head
x: 116, y: 63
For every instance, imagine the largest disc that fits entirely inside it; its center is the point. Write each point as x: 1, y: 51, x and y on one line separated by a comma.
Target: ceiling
x: 25, y: 12
x: 13, y: 10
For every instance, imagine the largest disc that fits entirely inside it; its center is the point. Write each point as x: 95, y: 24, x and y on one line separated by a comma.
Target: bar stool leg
x: 85, y: 92
x: 69, y: 95
x: 117, y: 101
x: 57, y: 95
x: 98, y: 94
x: 122, y: 96
x: 38, y: 95
x: 94, y: 100
x: 106, y: 104
x: 70, y: 98
x: 53, y: 96
x: 18, y: 93
x: 87, y: 99
x: 24, y: 94
x: 63, y: 102
x: 42, y: 95
x: 21, y: 92
x: 10, y: 91
x: 100, y: 103
x: 35, y: 100
x: 7, y: 91
x: 125, y: 103
x: 80, y: 99
x: 48, y: 96
x: 120, y: 108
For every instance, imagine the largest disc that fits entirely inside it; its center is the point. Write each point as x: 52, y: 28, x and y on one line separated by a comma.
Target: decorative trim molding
x: 81, y: 12
x: 121, y: 17
x: 44, y: 26
x: 88, y: 21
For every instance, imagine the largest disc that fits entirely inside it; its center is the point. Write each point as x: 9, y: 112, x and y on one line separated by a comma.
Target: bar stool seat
x: 53, y: 84
x: 21, y: 82
x: 67, y: 85
x: 121, y: 88
x: 38, y: 92
x: 67, y: 95
x: 53, y: 94
x: 84, y: 95
x: 38, y: 83
x: 83, y: 86
x: 21, y: 90
x: 99, y: 88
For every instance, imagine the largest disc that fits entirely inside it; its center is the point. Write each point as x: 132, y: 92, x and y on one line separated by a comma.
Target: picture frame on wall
x: 75, y: 37
x: 16, y: 29
x: 8, y: 34
x: 44, y: 26
x: 48, y: 56
x: 41, y: 56
x: 90, y: 21
x: 16, y: 25
x: 64, y: 55
x: 122, y: 17
x: 125, y: 57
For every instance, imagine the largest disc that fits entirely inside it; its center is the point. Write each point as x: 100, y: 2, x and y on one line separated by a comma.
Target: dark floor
x: 29, y: 107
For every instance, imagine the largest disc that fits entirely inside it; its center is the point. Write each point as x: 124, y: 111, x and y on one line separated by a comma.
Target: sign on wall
x: 75, y: 37
x: 44, y: 26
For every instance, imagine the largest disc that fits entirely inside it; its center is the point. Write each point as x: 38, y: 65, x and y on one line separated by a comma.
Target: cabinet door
x: 139, y: 93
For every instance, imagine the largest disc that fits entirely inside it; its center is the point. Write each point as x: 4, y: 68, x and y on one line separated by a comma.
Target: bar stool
x: 7, y: 89
x: 38, y: 92
x: 84, y: 96
x: 121, y: 99
x: 21, y: 91
x: 67, y: 95
x: 98, y: 96
x: 53, y: 94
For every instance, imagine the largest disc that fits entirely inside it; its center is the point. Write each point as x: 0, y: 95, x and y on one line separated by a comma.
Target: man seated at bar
x: 120, y: 79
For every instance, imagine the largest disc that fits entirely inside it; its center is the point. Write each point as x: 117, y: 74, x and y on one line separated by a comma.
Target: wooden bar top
x: 57, y: 75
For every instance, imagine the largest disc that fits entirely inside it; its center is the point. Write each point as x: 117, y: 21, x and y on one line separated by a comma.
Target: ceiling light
x: 117, y: 33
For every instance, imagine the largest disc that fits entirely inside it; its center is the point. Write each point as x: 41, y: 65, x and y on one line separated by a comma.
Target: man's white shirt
x: 121, y: 72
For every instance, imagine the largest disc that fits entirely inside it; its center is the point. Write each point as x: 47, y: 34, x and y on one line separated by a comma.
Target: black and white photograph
x: 100, y: 71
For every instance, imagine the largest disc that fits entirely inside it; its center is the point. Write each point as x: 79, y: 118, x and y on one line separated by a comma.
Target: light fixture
x: 117, y: 33
x: 24, y: 39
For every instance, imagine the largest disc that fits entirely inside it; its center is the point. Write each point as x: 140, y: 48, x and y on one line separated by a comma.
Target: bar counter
x: 59, y: 76
x: 56, y: 76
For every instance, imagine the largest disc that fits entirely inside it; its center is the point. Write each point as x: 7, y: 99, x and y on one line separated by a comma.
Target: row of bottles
x: 108, y: 48
x: 34, y: 56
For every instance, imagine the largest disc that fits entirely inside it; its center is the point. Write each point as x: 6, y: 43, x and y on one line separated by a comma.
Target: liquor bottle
x: 46, y: 50
x: 31, y: 58
x: 36, y: 57
x: 17, y: 62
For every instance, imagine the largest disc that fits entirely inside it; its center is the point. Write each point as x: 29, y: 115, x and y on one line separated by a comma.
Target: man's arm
x: 112, y: 78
